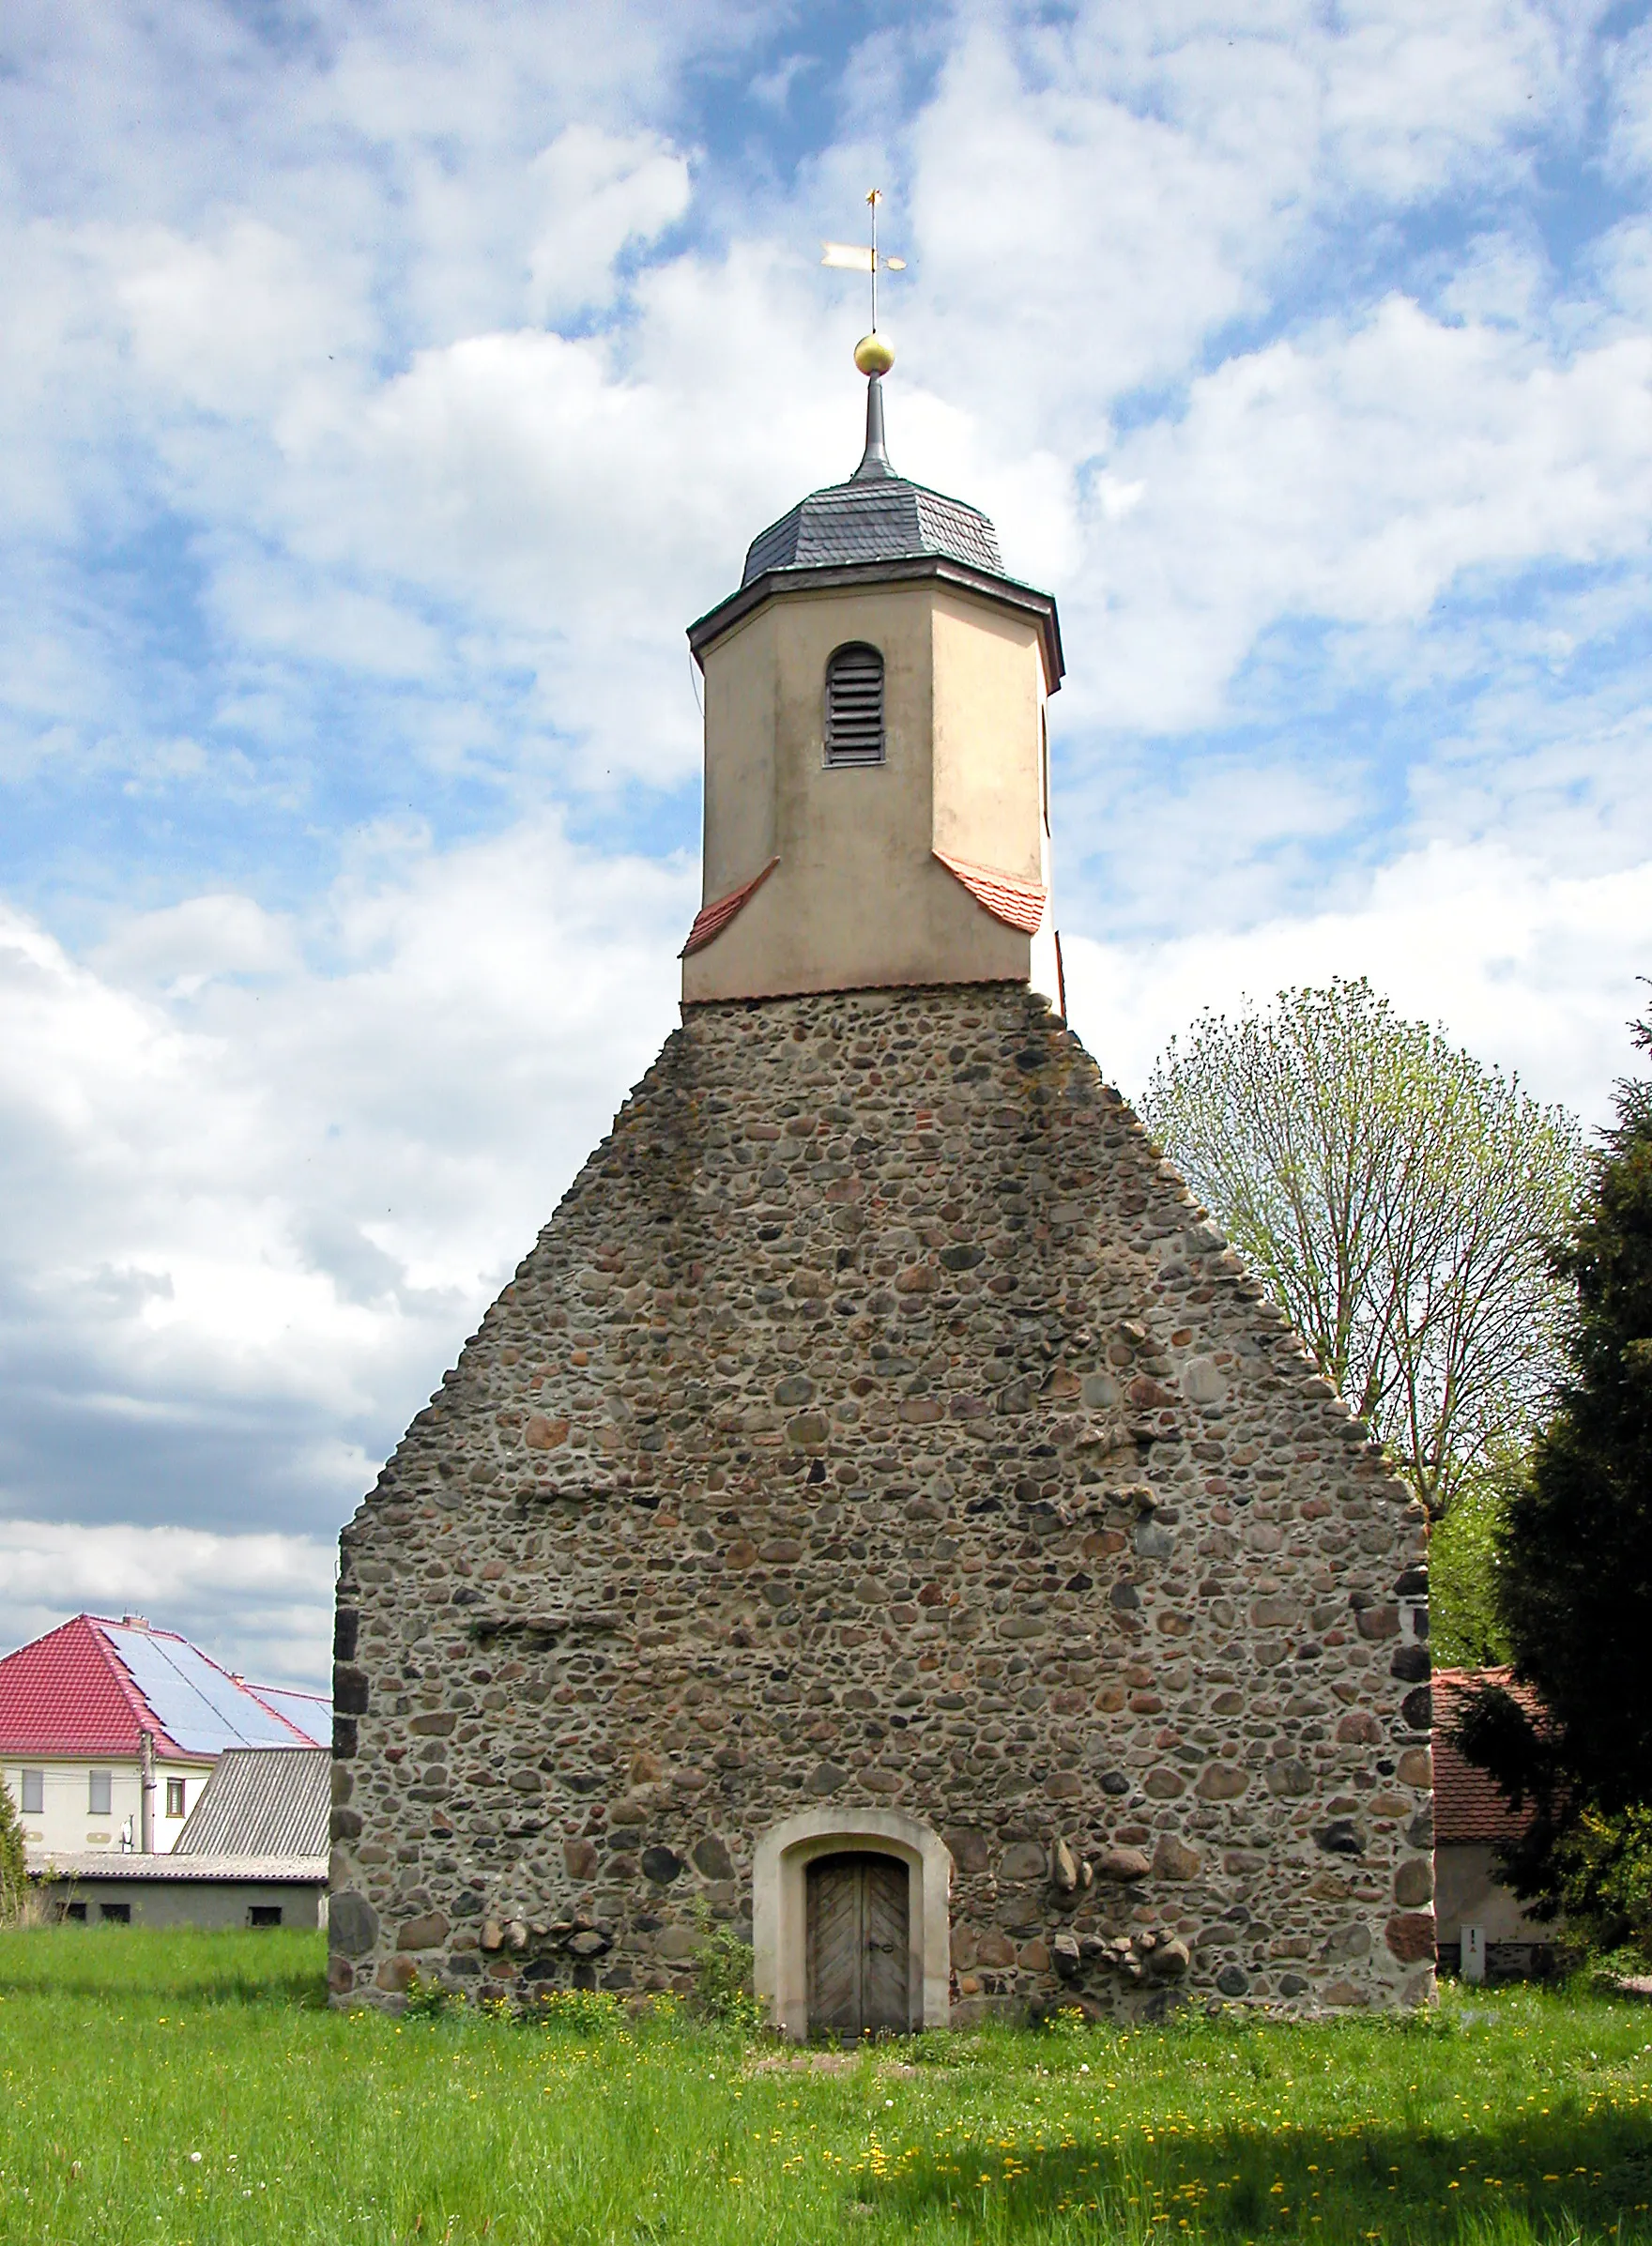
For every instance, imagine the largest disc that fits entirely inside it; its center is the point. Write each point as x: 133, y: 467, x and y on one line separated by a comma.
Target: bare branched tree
x: 1398, y: 1199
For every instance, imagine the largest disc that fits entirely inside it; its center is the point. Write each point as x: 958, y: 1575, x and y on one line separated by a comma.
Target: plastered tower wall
x: 856, y: 896
x: 877, y: 1424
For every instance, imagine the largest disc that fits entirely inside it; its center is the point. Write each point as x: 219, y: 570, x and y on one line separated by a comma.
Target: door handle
x: 888, y: 1947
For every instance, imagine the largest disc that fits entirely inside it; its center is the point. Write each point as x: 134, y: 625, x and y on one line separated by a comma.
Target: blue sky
x: 382, y: 391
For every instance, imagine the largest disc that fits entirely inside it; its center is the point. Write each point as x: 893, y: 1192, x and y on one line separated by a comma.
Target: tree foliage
x: 13, y: 1882
x: 1465, y: 1624
x: 1602, y: 1880
x: 1397, y: 1199
x: 1574, y: 1574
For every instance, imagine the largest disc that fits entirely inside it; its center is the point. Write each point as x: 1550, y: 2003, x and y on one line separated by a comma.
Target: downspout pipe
x: 146, y: 1797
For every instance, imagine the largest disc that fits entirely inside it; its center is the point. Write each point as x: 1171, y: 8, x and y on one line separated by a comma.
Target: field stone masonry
x: 878, y: 1420
x: 880, y: 1430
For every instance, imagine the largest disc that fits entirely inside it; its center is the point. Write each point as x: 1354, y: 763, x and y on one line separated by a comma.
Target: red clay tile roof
x: 76, y: 1691
x: 713, y: 918
x: 1468, y: 1807
x: 1019, y: 904
x: 66, y: 1694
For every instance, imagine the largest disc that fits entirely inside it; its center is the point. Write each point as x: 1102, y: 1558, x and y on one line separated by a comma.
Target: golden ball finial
x: 873, y: 355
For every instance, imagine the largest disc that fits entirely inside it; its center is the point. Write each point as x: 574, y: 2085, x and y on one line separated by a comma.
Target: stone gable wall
x: 879, y: 1422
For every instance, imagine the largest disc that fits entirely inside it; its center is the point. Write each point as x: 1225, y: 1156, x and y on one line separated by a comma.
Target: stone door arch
x: 780, y: 1906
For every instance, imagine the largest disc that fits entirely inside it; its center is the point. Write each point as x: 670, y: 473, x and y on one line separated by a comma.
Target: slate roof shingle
x: 881, y: 518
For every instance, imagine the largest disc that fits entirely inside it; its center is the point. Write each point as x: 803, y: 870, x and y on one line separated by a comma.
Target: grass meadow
x: 193, y: 2089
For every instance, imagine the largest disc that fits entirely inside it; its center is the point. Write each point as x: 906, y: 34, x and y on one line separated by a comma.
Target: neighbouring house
x: 1472, y: 1821
x: 252, y: 1852
x: 109, y: 1731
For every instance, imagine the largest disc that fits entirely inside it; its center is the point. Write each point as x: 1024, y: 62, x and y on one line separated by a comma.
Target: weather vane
x: 873, y: 355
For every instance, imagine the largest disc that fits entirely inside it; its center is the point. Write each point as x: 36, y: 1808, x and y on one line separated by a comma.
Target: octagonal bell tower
x: 877, y: 779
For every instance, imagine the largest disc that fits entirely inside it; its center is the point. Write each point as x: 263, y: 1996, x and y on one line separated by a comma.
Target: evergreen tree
x: 13, y: 1877
x: 1574, y: 1573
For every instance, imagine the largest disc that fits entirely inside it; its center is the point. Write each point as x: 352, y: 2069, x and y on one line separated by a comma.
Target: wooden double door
x: 859, y: 1941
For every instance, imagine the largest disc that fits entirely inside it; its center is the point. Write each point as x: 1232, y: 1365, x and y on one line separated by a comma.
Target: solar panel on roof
x: 308, y: 1711
x: 195, y: 1703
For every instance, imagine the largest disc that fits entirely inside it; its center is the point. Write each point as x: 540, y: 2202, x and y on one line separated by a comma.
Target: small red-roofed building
x: 85, y: 1709
x: 1472, y: 1821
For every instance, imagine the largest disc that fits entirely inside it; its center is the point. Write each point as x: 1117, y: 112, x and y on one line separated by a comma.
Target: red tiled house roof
x: 1468, y: 1806
x: 92, y: 1687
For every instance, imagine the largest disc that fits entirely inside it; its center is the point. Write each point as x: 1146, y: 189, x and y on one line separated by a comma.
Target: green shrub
x: 429, y: 1999
x: 1605, y: 1866
x: 582, y: 2011
x: 13, y: 1877
x: 722, y: 1975
x: 1463, y: 1625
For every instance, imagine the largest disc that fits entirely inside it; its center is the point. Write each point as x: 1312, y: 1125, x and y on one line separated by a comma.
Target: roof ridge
x: 865, y: 486
x: 257, y: 1692
x: 127, y: 1622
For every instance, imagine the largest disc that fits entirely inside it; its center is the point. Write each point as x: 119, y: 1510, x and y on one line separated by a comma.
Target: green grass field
x: 193, y: 2089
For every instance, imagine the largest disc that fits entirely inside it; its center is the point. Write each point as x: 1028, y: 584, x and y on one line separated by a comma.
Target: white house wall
x: 66, y: 1824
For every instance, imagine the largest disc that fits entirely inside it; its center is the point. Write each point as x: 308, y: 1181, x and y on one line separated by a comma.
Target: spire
x: 875, y: 460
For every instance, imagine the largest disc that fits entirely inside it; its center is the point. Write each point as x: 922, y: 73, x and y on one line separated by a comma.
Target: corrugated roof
x: 91, y: 1866
x: 92, y: 1687
x: 262, y: 1801
x: 1468, y: 1806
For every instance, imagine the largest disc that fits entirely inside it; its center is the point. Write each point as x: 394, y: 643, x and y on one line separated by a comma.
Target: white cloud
x: 237, y: 325
x: 261, y: 1605
x: 1357, y: 476
x: 249, y: 1192
x: 283, y: 422
x: 1225, y: 840
x: 1096, y: 196
x: 600, y: 192
x: 442, y: 496
x: 1630, y: 91
x: 1526, y: 971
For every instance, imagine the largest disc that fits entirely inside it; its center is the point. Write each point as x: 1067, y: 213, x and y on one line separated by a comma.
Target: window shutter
x: 854, y: 707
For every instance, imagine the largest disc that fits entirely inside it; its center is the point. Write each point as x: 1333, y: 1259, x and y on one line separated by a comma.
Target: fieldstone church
x: 880, y: 1512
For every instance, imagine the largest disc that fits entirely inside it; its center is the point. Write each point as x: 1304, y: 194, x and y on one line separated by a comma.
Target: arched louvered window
x: 854, y: 706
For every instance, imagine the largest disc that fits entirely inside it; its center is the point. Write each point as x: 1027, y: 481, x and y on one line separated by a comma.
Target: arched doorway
x: 892, y: 1878
x: 859, y: 1945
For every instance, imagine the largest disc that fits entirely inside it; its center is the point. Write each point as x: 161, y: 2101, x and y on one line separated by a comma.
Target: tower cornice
x: 784, y: 584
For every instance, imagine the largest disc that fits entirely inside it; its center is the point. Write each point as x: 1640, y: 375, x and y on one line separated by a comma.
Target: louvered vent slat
x: 854, y: 707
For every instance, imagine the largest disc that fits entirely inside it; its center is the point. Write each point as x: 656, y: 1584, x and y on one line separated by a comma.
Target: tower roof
x: 877, y: 526
x: 876, y: 516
